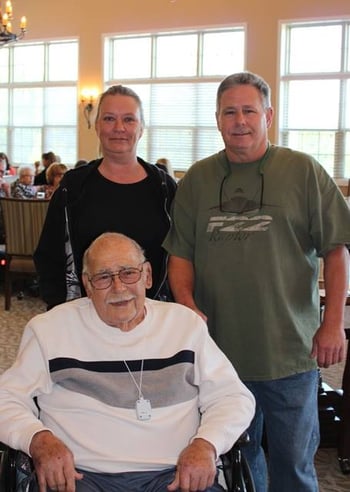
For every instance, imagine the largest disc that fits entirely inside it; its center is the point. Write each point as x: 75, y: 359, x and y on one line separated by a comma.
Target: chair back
x: 344, y: 185
x: 23, y: 222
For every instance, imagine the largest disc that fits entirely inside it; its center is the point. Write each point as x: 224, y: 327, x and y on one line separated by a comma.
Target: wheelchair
x: 16, y: 470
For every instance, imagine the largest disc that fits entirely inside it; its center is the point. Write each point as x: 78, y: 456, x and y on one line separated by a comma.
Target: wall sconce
x: 88, y: 98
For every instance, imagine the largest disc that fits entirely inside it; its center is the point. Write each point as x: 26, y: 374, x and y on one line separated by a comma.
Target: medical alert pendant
x: 143, y: 409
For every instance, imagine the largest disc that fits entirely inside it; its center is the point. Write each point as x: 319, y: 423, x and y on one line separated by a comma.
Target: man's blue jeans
x: 152, y: 481
x: 288, y: 409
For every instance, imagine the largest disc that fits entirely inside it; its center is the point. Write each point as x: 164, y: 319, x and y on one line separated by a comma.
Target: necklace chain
x: 138, y: 386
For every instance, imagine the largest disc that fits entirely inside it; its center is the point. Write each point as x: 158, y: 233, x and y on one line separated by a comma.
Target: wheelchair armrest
x: 242, y: 440
x: 235, y: 468
x: 7, y: 468
x: 16, y: 468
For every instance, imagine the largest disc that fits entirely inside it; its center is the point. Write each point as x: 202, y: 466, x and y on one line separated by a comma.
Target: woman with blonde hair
x: 54, y: 174
x: 119, y: 192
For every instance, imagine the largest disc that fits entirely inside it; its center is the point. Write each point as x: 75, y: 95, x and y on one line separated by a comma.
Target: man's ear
x: 217, y: 121
x: 86, y: 284
x: 148, y: 274
x: 269, y: 117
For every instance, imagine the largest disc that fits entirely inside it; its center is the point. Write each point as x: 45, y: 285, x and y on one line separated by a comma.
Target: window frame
x: 340, y: 165
x: 149, y: 149
x: 43, y: 84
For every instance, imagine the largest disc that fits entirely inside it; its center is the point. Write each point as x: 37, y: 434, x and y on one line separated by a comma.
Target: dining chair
x: 23, y: 221
x: 344, y: 185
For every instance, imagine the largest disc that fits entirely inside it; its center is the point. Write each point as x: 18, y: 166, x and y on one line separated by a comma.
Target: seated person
x: 133, y: 393
x: 54, y: 175
x: 23, y: 187
x: 37, y: 167
x: 4, y: 193
x: 10, y: 170
x: 47, y: 158
x: 164, y: 163
x: 5, y: 190
x: 81, y: 162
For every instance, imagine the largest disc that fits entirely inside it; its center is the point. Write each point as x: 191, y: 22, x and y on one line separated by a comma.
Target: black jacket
x: 55, y: 257
x: 40, y: 179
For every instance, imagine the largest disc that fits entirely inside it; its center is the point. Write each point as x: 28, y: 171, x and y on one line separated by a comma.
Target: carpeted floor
x: 11, y: 326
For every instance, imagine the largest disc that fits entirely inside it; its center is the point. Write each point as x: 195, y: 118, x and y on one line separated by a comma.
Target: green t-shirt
x: 256, y: 272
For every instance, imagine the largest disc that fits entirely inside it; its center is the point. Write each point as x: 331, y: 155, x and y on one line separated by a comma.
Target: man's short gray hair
x: 245, y: 78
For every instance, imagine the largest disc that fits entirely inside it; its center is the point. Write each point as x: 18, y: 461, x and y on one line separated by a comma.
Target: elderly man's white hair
x: 25, y: 169
x: 112, y: 235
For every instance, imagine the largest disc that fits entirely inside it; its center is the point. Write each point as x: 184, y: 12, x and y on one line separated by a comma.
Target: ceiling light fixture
x: 6, y: 34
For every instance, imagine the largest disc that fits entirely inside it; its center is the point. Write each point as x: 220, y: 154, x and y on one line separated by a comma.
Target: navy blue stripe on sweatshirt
x: 116, y: 366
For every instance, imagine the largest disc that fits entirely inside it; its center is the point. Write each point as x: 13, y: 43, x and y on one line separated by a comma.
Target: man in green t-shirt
x: 249, y: 226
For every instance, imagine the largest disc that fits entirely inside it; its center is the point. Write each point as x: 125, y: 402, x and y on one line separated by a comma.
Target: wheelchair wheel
x: 7, y: 470
x: 237, y: 473
x: 247, y: 476
x: 16, y: 471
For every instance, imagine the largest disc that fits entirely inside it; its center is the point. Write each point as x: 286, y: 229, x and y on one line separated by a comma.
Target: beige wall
x: 90, y: 19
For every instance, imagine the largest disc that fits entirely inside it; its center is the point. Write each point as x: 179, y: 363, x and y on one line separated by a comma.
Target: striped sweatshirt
x: 87, y: 376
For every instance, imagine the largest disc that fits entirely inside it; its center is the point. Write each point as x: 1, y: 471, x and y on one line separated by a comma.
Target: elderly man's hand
x: 53, y: 462
x: 196, y: 467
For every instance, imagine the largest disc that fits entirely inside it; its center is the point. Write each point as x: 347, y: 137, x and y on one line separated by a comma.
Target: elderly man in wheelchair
x: 117, y: 392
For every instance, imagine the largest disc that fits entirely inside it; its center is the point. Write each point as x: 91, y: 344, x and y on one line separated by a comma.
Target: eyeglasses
x: 104, y: 280
x: 242, y: 205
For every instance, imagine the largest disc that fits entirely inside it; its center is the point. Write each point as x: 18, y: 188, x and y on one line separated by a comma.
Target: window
x: 176, y: 75
x: 38, y: 100
x: 315, y: 92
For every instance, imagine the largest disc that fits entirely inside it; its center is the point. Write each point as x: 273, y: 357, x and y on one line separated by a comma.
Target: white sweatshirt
x: 78, y: 368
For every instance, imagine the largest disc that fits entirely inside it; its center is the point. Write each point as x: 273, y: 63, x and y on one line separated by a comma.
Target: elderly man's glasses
x: 241, y: 205
x: 104, y: 280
